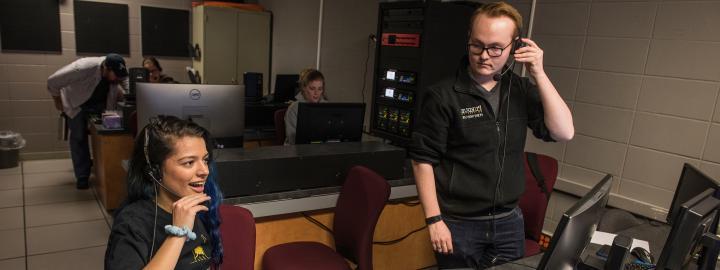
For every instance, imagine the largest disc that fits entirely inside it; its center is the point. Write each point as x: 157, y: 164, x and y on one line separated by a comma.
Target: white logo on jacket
x: 471, y: 112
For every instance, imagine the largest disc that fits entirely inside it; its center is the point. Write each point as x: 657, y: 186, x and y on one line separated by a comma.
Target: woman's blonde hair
x: 309, y: 75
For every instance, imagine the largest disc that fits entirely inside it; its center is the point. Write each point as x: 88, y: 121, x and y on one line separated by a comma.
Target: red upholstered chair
x: 533, y: 202
x: 362, y: 199
x: 279, y: 118
x: 238, y: 237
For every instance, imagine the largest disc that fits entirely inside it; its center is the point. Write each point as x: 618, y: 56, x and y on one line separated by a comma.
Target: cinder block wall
x: 25, y: 104
x: 642, y: 79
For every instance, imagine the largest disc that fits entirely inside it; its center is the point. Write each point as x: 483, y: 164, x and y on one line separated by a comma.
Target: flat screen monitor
x: 576, y: 228
x: 218, y: 108
x: 137, y: 75
x: 692, y: 182
x: 695, y: 217
x: 329, y: 122
x: 253, y: 85
x: 285, y: 87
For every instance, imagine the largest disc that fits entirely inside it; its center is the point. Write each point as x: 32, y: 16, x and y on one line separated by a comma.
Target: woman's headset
x: 151, y: 170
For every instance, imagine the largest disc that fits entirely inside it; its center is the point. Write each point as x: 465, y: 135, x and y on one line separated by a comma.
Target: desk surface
x: 300, y: 150
x: 655, y: 233
x: 310, y: 203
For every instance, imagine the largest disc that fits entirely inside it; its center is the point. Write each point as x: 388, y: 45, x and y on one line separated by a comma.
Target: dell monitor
x: 329, y: 122
x: 218, y: 108
x: 692, y: 182
x: 576, y: 228
x: 285, y: 87
x: 693, y: 219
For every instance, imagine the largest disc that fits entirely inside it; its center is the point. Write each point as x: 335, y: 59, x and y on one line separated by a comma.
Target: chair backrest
x: 238, y: 237
x: 362, y: 199
x: 533, y: 202
x: 279, y: 120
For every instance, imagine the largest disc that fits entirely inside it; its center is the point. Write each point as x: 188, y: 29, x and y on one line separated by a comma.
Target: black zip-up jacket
x: 457, y: 132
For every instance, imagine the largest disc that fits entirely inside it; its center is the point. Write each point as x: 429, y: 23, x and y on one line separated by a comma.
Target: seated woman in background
x: 170, y: 219
x: 312, y: 89
x: 156, y: 75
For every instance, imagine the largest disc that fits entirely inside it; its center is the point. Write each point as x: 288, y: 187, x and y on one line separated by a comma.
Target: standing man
x: 86, y: 86
x: 469, y: 139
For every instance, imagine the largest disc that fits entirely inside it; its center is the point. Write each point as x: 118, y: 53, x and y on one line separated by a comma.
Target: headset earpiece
x: 151, y: 170
x: 517, y: 44
x: 154, y: 173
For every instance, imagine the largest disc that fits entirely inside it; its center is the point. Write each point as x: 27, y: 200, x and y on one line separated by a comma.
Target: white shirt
x: 75, y: 83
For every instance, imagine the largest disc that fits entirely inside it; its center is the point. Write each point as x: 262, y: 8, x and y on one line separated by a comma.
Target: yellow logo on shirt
x: 199, y: 255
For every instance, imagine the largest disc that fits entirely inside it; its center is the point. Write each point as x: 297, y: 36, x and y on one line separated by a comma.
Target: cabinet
x: 109, y: 149
x: 232, y: 41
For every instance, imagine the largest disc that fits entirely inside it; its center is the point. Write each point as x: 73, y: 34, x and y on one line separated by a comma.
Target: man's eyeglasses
x: 478, y: 49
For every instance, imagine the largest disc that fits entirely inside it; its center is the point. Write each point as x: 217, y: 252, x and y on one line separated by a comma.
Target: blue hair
x: 211, y: 219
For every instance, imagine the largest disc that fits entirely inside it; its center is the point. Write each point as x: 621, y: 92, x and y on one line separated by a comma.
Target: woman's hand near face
x: 185, y: 209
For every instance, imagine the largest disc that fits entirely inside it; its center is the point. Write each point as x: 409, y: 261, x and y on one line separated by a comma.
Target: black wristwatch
x: 433, y: 219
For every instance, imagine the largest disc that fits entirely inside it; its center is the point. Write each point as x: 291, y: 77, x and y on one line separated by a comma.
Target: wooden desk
x: 281, y: 221
x: 109, y: 148
x: 396, y: 220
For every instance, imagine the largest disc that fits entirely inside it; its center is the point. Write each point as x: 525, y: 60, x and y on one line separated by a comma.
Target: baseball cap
x: 116, y: 63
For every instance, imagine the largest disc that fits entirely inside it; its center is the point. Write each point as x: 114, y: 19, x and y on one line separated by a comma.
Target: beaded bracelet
x: 180, y: 232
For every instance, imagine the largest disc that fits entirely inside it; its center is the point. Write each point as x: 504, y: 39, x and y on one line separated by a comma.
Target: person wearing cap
x: 87, y: 86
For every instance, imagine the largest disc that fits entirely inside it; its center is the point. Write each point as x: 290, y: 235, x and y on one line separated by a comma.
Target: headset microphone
x: 163, y: 186
x: 498, y: 76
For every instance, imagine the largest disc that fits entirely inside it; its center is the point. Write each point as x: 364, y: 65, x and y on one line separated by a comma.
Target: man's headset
x: 517, y: 44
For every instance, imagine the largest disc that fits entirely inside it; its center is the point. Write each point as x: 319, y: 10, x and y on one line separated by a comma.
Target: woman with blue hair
x: 171, y: 218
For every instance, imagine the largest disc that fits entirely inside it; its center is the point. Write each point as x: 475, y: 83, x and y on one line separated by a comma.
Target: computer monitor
x: 218, y: 108
x: 694, y: 218
x: 692, y: 182
x: 137, y: 75
x: 329, y: 122
x: 576, y: 228
x: 285, y: 87
x: 253, y: 82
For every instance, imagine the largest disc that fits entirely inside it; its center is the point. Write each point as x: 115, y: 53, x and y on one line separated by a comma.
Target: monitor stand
x: 711, y: 248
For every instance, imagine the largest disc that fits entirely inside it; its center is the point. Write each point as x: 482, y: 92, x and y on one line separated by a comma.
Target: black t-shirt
x: 96, y: 102
x: 131, y: 239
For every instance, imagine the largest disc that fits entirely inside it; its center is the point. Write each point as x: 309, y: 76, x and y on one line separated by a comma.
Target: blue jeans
x: 476, y: 246
x: 79, y: 145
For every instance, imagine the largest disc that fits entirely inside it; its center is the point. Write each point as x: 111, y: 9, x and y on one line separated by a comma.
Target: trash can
x: 10, y: 145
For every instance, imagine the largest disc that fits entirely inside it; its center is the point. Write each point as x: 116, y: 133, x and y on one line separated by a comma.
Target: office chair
x: 362, y: 199
x: 279, y: 120
x: 238, y: 237
x: 534, y: 200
